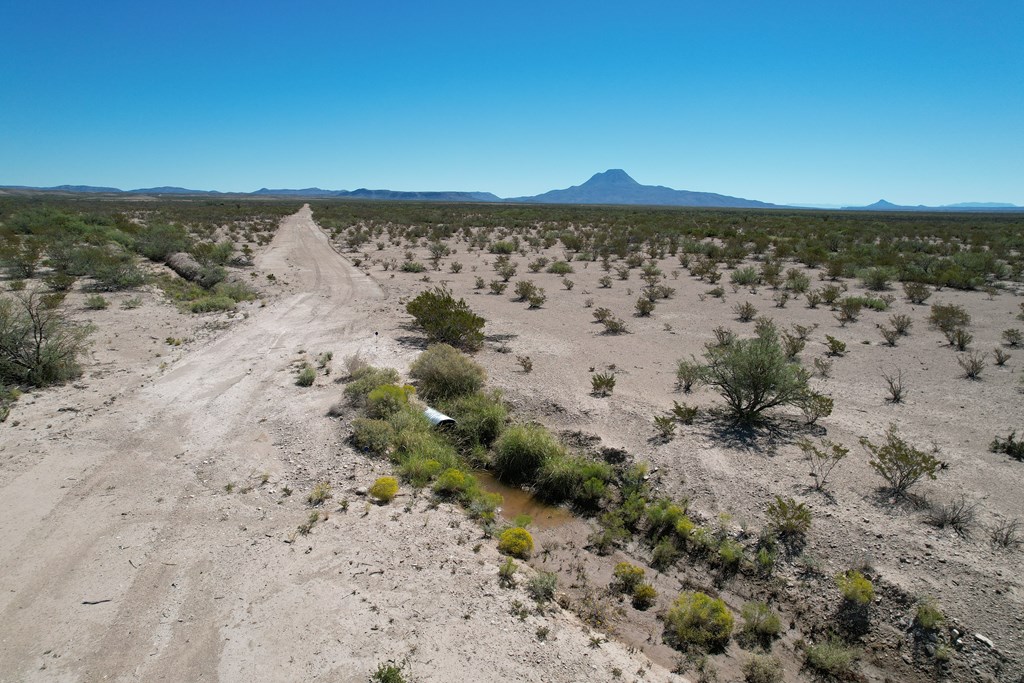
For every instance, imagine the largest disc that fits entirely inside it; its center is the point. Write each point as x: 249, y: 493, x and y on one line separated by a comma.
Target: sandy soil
x: 978, y: 587
x: 125, y: 557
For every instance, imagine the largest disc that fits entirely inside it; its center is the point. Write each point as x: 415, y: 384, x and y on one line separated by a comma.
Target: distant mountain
x: 882, y: 205
x: 394, y: 195
x: 171, y: 190
x: 615, y: 186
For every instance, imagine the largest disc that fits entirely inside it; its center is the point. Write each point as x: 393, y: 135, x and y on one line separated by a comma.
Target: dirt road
x: 140, y: 541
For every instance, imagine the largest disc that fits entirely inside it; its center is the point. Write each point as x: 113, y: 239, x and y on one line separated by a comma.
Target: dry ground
x: 125, y: 558
x: 114, y: 489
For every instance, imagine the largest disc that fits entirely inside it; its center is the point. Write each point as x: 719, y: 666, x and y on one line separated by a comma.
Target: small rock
x: 982, y: 639
x: 361, y: 491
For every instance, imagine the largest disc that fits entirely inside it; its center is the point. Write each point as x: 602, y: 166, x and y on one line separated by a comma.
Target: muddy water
x: 520, y: 502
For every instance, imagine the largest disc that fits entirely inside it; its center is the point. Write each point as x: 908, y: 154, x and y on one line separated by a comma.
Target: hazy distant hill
x: 614, y: 186
x: 882, y: 205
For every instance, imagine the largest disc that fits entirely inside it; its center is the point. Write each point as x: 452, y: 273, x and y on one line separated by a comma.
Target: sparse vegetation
x: 447, y: 320
x: 698, y: 620
x: 899, y: 463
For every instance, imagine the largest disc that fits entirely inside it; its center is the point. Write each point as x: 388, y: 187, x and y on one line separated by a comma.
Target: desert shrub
x: 614, y: 326
x: 602, y: 383
x: 813, y: 298
x: 698, y: 620
x: 746, y: 276
x: 745, y: 311
x: 788, y: 518
x: 927, y: 615
x: 443, y: 373
x: 388, y: 672
x: 306, y: 375
x: 386, y: 400
x: 497, y: 287
x: 899, y: 463
x: 916, y: 292
x: 542, y: 587
x: 730, y: 554
x: 876, y: 279
x: 688, y: 373
x: 479, y: 419
x: 958, y: 514
x: 823, y: 459
x: 1011, y: 446
x: 753, y: 376
x: 760, y: 623
x: 38, y: 345
x: 524, y: 289
x: 1000, y: 357
x: 664, y: 555
x: 366, y: 378
x: 835, y: 346
x: 1013, y: 337
x: 568, y: 478
x: 320, y: 493
x: 823, y: 366
x: 644, y: 307
x: 454, y: 483
x: 894, y: 385
x: 666, y: 426
x: 816, y: 406
x: 374, y: 436
x: 516, y: 542
x: 1005, y: 535
x: 384, y: 489
x: 832, y: 658
x: 663, y: 516
x: 959, y: 338
x: 60, y: 282
x: 830, y: 294
x: 503, y: 247
x: 235, y: 290
x: 763, y: 669
x: 96, y: 302
x: 901, y: 323
x: 419, y: 470
x: 560, y: 268
x: 972, y: 364
x: 945, y: 317
x: 446, y: 320
x: 684, y: 413
x: 855, y: 588
x: 537, y: 265
x: 890, y: 335
x: 626, y: 577
x: 412, y: 267
x: 723, y: 337
x: 521, y: 451
x: 848, y: 310
x: 792, y: 346
x: 644, y: 596
x: 159, y: 240
x: 601, y: 314
x: 211, y: 304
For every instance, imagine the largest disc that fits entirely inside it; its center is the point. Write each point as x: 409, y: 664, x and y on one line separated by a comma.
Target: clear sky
x: 840, y: 102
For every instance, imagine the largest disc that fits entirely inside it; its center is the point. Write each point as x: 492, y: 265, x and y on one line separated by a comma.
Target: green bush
x: 365, y: 379
x: 626, y: 577
x: 387, y: 399
x: 211, y: 304
x: 521, y: 451
x: 384, y: 489
x: 236, y: 291
x: 763, y: 669
x: 516, y: 542
x: 928, y: 616
x: 947, y: 317
x: 38, y: 345
x: 306, y: 375
x: 1011, y: 446
x: 899, y: 463
x: 542, y: 587
x: 479, y: 419
x: 446, y: 320
x: 753, y: 376
x: 832, y: 658
x: 699, y: 620
x: 374, y: 436
x: 760, y: 623
x: 454, y: 483
x: 419, y: 470
x: 855, y: 588
x: 788, y: 518
x: 96, y: 302
x: 560, y: 268
x: 444, y: 373
x: 644, y: 596
x: 663, y: 516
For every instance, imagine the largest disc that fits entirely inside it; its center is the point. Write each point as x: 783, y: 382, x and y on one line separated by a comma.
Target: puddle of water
x: 520, y: 502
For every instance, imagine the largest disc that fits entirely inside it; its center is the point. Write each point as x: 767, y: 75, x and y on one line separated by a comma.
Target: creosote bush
x: 899, y: 463
x: 698, y: 620
x: 444, y: 373
x: 516, y: 542
x: 445, y: 319
x: 38, y: 345
x: 753, y: 376
x: 788, y: 518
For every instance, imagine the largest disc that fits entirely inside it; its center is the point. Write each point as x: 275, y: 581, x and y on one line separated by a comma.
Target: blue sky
x: 796, y: 102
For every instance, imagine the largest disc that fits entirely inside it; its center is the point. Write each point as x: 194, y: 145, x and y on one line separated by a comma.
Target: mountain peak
x: 613, y: 176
